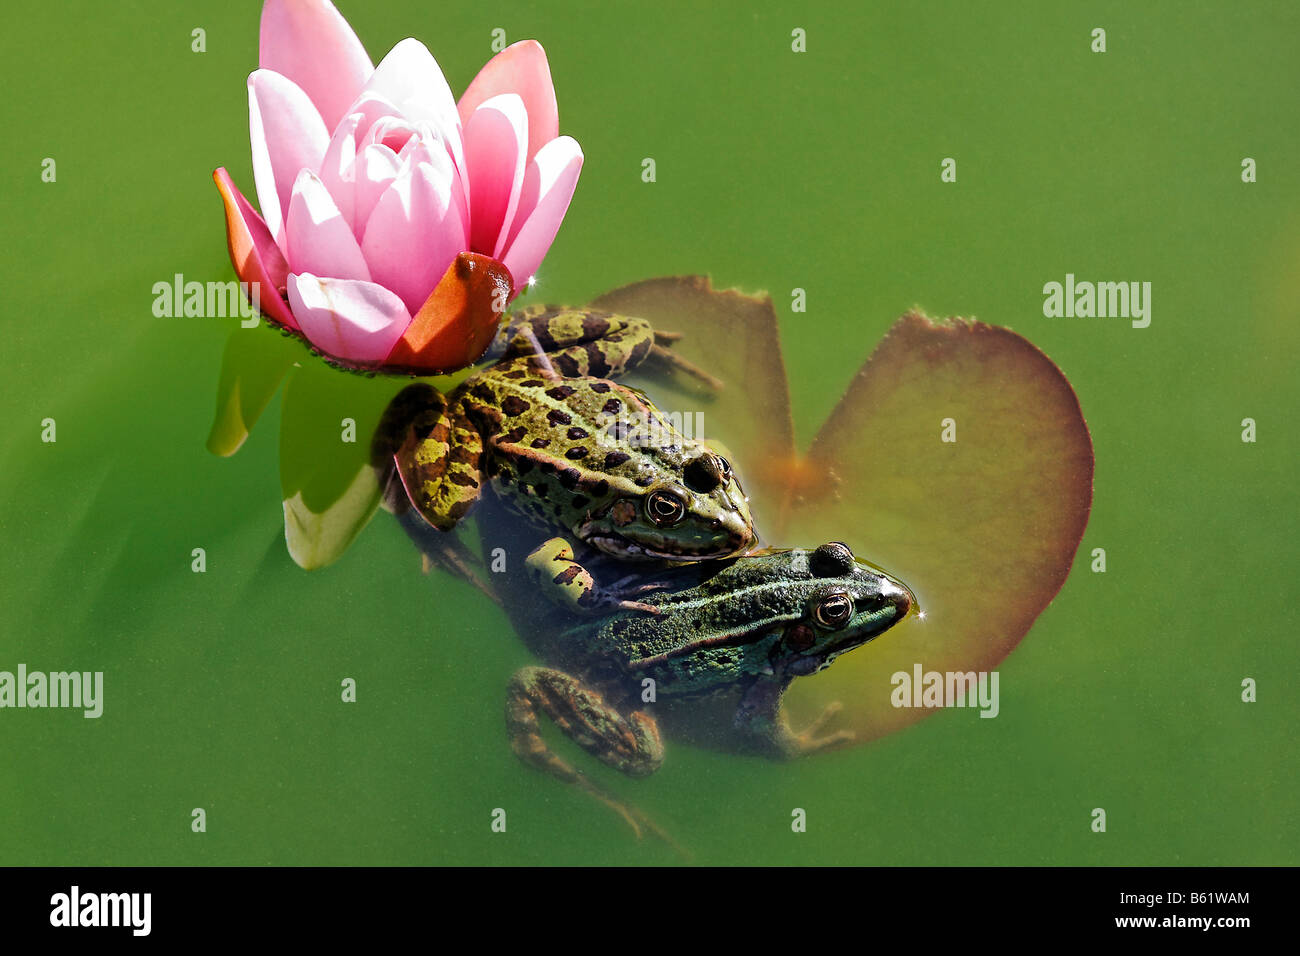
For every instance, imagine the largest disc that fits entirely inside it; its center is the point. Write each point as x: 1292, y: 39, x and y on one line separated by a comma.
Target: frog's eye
x: 705, y: 473
x: 833, y: 610
x: 726, y: 468
x: 664, y: 508
x: 833, y: 560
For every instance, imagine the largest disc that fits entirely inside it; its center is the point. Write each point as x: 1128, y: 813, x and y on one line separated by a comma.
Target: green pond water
x: 775, y: 170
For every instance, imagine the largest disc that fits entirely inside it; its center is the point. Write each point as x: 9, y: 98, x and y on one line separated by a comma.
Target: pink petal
x: 410, y: 78
x: 309, y: 42
x: 346, y: 318
x: 496, y: 138
x: 416, y: 229
x: 287, y: 135
x: 350, y: 138
x: 548, y: 186
x: 253, y: 251
x: 520, y: 68
x: 320, y: 240
x: 372, y: 108
x: 375, y: 171
x: 336, y: 168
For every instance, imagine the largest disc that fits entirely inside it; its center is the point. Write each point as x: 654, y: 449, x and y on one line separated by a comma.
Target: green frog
x: 711, y: 666
x: 571, y: 450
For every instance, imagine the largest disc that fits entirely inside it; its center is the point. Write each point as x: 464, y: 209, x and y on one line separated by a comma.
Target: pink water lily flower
x: 376, y: 188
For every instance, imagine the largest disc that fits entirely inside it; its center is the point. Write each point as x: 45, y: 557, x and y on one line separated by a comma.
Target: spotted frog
x: 570, y: 449
x: 712, y: 665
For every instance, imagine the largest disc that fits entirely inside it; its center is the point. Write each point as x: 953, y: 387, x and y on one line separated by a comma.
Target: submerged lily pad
x: 984, y: 529
x: 252, y: 367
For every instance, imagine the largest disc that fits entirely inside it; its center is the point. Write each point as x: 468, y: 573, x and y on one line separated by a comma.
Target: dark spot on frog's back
x: 461, y: 478
x: 482, y: 392
x: 557, y: 417
x: 612, y: 407
x: 540, y: 442
x: 515, y: 435
x: 569, y: 478
x: 560, y: 392
x: 600, y: 388
x: 616, y: 458
x: 575, y: 433
x: 514, y: 405
x: 576, y: 453
x: 514, y: 373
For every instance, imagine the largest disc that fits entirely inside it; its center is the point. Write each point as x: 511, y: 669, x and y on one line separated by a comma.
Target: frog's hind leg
x: 629, y: 743
x: 440, y: 462
x: 575, y: 342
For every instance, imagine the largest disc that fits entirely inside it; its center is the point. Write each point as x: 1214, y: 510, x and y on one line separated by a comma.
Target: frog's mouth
x: 613, y: 543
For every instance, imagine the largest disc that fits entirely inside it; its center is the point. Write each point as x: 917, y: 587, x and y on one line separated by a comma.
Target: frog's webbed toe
x: 811, y: 740
x: 676, y: 363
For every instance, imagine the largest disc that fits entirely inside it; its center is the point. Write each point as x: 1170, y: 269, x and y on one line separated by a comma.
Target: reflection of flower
x: 373, y: 182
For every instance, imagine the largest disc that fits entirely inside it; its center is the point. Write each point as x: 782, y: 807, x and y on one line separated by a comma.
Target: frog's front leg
x: 629, y: 743
x: 762, y: 721
x: 440, y: 461
x: 565, y: 581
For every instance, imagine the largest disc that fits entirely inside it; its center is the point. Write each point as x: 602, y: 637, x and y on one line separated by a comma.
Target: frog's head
x: 697, y: 511
x: 846, y: 603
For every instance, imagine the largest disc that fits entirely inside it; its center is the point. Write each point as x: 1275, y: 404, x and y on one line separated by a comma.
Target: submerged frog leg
x: 762, y: 720
x: 440, y: 462
x: 447, y: 552
x: 811, y: 741
x: 629, y: 743
x: 678, y: 364
x: 565, y: 581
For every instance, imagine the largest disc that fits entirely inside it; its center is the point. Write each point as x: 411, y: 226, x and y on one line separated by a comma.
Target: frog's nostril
x: 898, y: 597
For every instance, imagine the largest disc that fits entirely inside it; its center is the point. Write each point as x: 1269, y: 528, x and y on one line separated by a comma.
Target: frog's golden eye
x: 664, y: 508
x: 833, y: 610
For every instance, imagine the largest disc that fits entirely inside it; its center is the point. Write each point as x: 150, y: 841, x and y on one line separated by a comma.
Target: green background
x: 775, y: 170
